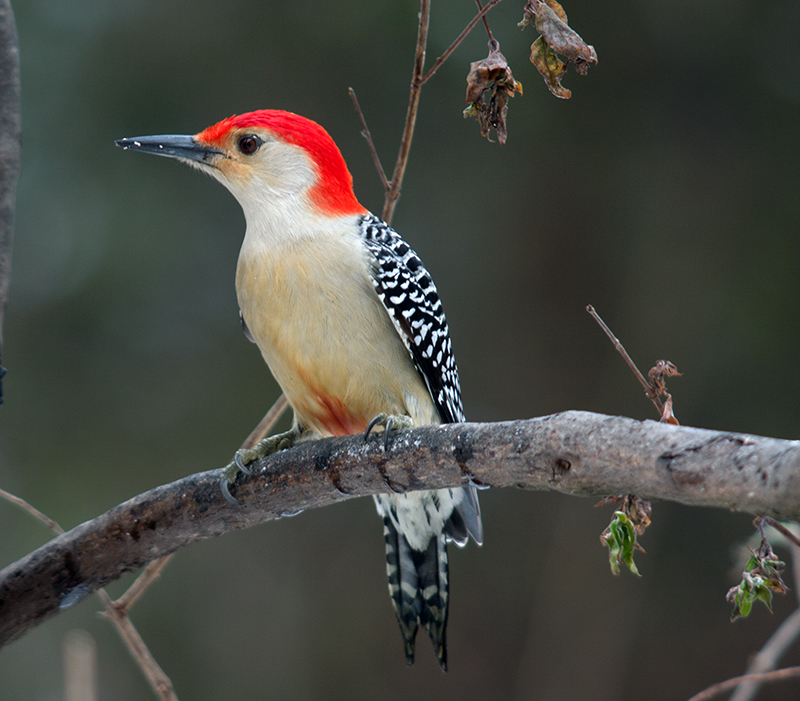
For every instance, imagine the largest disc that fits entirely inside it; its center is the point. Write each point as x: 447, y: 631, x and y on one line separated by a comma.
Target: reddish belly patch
x: 334, y: 418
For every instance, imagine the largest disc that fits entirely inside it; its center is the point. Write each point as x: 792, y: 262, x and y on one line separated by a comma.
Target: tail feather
x: 465, y: 521
x: 418, y: 586
x: 403, y: 585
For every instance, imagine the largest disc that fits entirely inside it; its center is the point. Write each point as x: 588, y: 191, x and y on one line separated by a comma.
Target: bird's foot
x: 392, y: 422
x: 245, y: 456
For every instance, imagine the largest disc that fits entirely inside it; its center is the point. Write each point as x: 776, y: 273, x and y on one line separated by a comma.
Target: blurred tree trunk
x: 9, y: 148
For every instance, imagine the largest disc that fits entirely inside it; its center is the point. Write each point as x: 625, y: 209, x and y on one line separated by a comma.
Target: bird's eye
x: 249, y: 144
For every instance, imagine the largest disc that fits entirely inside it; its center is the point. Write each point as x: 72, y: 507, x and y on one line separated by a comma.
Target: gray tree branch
x: 574, y: 452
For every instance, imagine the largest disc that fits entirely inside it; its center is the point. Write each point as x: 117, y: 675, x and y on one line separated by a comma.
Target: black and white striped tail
x: 418, y: 585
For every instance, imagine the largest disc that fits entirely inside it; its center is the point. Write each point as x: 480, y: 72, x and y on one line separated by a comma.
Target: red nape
x: 333, y: 192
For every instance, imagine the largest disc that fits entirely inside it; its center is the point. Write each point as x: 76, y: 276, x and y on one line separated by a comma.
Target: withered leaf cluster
x: 557, y: 40
x: 491, y: 74
x: 557, y: 47
x: 631, y: 519
x: 760, y: 579
x: 658, y: 388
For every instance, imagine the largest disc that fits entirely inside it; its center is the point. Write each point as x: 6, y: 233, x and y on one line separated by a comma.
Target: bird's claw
x: 226, y: 479
x: 391, y: 422
x: 238, y: 460
x: 245, y: 456
x: 379, y: 419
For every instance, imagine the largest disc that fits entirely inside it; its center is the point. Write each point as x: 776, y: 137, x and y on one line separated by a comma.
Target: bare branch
x: 393, y: 193
x: 728, y: 684
x: 33, y: 511
x: 117, y: 611
x: 576, y: 453
x: 785, y: 532
x: 648, y: 389
x: 486, y: 23
x: 392, y: 187
x: 158, y: 679
x: 265, y: 425
x: 457, y: 42
x: 150, y: 574
x: 368, y: 136
x: 767, y: 658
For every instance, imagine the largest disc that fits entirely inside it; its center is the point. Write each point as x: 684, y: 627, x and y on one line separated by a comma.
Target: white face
x: 259, y: 168
x: 272, y: 180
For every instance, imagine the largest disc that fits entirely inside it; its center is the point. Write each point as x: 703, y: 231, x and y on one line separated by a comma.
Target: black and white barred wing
x: 407, y: 291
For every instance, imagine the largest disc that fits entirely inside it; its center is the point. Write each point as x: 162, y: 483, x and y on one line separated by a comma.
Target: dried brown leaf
x: 551, y: 68
x: 661, y: 370
x: 558, y: 9
x: 658, y: 388
x: 558, y: 39
x: 667, y: 417
x: 494, y: 75
x: 639, y: 511
x: 564, y: 40
x: 529, y: 11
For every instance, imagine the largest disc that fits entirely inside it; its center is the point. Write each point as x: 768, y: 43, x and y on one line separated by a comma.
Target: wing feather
x: 409, y: 295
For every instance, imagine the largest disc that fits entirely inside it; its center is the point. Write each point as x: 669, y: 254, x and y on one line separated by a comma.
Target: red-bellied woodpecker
x: 348, y: 321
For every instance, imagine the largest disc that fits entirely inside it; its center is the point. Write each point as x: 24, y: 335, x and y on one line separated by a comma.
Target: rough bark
x: 576, y: 453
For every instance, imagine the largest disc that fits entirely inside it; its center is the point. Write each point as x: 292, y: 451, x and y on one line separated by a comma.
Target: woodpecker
x: 350, y: 324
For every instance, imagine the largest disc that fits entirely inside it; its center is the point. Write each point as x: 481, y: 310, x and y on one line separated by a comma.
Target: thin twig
x: 366, y: 134
x: 117, y: 611
x: 456, y: 43
x: 392, y: 187
x: 485, y: 23
x: 46, y: 520
x: 149, y: 575
x: 159, y: 681
x: 648, y: 390
x: 393, y: 193
x: 265, y: 425
x: 778, y: 526
x: 768, y: 657
x: 728, y: 684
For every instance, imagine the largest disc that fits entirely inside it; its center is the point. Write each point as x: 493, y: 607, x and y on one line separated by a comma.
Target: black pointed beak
x: 184, y: 148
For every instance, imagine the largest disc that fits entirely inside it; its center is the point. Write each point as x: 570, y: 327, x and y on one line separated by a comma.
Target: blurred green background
x: 665, y: 193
